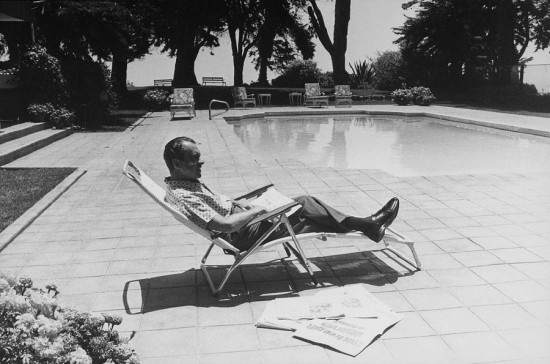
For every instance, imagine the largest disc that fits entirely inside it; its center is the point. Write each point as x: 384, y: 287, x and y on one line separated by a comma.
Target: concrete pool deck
x: 483, y: 294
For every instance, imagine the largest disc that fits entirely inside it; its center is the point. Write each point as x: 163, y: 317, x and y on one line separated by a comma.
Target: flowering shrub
x: 61, y: 118
x: 402, y: 96
x: 422, y: 96
x: 40, y: 111
x: 156, y: 99
x: 34, y: 328
x: 40, y: 77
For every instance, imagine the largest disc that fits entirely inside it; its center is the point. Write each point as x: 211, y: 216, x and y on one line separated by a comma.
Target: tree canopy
x: 465, y: 41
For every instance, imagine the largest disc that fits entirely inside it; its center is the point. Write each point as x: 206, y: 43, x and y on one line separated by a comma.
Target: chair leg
x: 397, y: 238
x: 299, y: 252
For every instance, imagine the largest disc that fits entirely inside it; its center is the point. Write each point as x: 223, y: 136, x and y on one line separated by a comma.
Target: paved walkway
x: 484, y: 240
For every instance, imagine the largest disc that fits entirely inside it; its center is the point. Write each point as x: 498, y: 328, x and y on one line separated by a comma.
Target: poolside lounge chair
x: 290, y: 243
x: 343, y: 94
x: 182, y: 101
x: 314, y: 96
x: 241, y: 97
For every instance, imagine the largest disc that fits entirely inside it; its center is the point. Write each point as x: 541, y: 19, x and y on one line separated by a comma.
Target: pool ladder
x: 219, y: 102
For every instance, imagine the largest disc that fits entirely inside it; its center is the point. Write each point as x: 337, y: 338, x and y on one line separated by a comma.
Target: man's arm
x: 234, y: 222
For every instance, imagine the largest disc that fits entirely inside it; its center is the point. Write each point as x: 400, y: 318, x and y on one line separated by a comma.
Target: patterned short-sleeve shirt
x: 194, y: 200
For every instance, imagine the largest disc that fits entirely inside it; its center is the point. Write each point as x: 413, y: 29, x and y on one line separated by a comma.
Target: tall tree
x: 183, y: 28
x: 106, y: 30
x: 338, y: 46
x: 282, y: 21
x: 447, y: 41
x: 243, y: 18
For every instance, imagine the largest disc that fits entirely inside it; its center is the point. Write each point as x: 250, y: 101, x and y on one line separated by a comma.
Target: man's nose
x: 200, y: 164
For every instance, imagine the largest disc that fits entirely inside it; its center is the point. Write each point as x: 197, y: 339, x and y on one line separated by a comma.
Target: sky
x: 370, y: 32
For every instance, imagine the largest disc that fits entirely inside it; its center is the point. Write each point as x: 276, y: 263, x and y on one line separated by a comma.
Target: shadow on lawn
x: 260, y: 282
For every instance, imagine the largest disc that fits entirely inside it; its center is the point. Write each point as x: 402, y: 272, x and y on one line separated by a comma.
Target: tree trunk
x: 119, y: 72
x: 341, y: 21
x: 265, y: 51
x: 184, y: 70
x: 238, y: 65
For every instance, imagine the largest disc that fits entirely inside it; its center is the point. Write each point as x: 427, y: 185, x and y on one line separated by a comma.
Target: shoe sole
x: 382, y: 230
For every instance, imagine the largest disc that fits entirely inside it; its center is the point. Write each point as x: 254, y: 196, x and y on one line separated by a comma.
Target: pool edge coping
x: 505, y: 127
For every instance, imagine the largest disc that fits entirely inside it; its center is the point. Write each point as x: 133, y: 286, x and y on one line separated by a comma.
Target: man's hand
x: 243, y: 205
x: 234, y: 222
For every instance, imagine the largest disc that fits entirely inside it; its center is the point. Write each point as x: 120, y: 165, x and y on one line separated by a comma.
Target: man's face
x: 190, y: 166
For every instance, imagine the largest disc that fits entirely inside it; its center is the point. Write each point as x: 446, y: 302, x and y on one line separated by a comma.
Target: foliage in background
x: 402, y: 96
x: 156, y: 99
x: 326, y: 79
x: 40, y: 112
x: 422, y: 96
x: 471, y: 43
x: 362, y: 74
x: 389, y: 70
x: 34, y: 328
x: 40, y: 77
x: 297, y: 74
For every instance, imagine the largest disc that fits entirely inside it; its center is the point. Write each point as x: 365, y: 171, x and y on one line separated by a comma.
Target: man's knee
x: 304, y: 199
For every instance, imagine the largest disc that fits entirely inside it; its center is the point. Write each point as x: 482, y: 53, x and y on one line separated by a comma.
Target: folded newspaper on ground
x: 272, y: 199
x: 347, y: 318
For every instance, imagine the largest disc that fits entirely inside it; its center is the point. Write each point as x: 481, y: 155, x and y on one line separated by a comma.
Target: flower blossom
x: 79, y: 356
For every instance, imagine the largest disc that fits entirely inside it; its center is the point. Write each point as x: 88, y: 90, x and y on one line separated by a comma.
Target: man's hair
x: 175, y: 149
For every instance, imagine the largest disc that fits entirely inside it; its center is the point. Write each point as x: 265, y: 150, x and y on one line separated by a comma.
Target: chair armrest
x: 249, y: 95
x: 270, y: 214
x: 254, y: 193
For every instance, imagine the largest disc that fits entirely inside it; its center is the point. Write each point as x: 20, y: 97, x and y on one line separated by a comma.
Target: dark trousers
x: 313, y: 216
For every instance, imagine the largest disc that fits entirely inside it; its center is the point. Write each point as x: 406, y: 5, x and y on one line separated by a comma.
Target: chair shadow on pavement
x: 259, y: 282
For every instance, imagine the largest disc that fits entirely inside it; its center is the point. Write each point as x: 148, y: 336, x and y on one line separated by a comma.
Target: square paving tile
x: 456, y: 277
x: 539, y: 309
x: 531, y: 342
x: 166, y: 343
x: 539, y: 270
x: 499, y: 273
x: 478, y: 347
x: 479, y: 295
x: 420, y: 279
x: 453, y: 321
x: 222, y: 339
x: 476, y: 258
x: 169, y: 318
x: 516, y: 255
x: 422, y: 350
x: 440, y: 261
x: 509, y: 316
x: 524, y: 291
x: 457, y: 245
x: 253, y: 356
x: 303, y: 354
x: 431, y: 299
x: 494, y: 242
x: 395, y: 301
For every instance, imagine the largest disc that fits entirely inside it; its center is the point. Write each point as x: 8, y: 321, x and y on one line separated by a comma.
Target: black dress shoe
x: 382, y: 219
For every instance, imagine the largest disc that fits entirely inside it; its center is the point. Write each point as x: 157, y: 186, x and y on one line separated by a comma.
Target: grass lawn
x: 21, y: 188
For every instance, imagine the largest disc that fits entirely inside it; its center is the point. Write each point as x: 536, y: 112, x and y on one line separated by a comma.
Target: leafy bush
x: 62, y: 118
x: 362, y: 74
x: 326, y: 80
x: 156, y: 99
x: 35, y: 329
x: 297, y: 74
x: 40, y: 111
x: 40, y: 77
x: 389, y: 70
x: 422, y: 96
x: 402, y: 96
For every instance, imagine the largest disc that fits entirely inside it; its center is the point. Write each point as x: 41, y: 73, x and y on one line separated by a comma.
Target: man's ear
x: 177, y: 163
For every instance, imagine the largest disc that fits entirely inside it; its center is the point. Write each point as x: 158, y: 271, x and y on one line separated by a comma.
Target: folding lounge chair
x: 241, y: 97
x: 182, y: 100
x: 278, y: 216
x: 343, y: 94
x: 314, y: 96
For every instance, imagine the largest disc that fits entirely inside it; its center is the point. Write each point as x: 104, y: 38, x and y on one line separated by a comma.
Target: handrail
x: 210, y: 108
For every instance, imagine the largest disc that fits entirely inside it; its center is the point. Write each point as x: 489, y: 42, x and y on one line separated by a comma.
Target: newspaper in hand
x: 272, y: 199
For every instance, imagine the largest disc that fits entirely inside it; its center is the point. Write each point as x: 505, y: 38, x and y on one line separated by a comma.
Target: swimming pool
x: 403, y: 146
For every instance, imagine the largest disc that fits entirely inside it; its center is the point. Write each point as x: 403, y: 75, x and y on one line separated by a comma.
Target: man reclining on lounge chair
x: 215, y: 212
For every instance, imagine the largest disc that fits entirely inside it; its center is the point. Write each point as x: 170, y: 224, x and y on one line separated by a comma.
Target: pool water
x: 403, y: 146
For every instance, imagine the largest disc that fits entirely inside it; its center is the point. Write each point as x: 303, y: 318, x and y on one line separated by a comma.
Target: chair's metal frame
x: 278, y: 216
x: 315, y: 99
x: 189, y: 107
